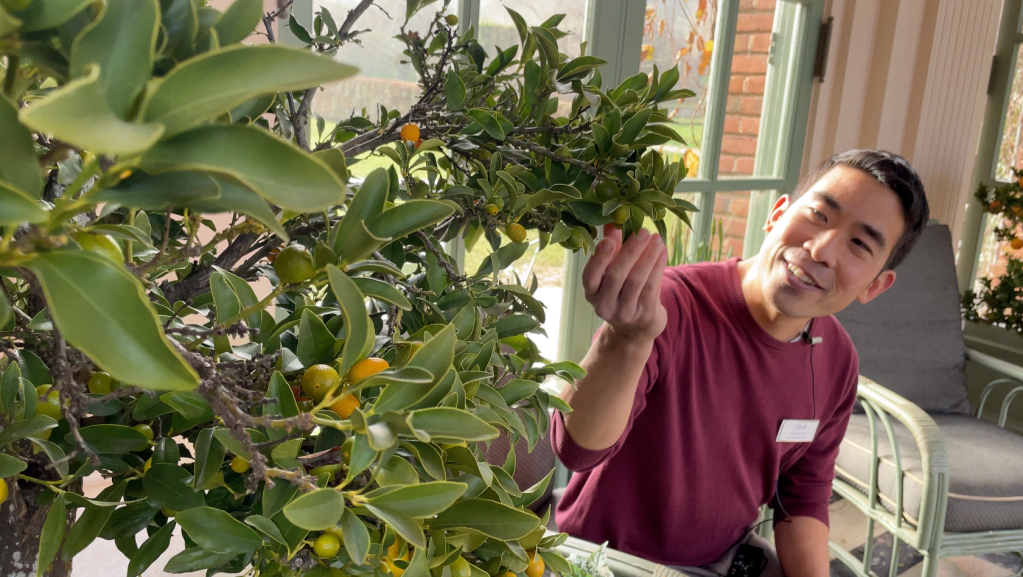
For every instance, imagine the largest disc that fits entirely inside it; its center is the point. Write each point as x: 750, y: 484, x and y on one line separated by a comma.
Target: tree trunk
x: 21, y: 522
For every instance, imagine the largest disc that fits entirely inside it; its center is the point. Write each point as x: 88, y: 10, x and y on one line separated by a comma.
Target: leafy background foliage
x: 143, y: 342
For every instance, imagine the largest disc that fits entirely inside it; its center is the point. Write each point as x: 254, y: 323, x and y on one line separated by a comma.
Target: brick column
x: 742, y: 119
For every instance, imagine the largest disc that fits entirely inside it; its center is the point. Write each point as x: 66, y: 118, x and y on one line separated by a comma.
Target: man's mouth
x: 801, y: 275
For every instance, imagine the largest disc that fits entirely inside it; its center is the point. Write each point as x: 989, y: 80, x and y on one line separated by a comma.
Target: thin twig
x: 585, y: 166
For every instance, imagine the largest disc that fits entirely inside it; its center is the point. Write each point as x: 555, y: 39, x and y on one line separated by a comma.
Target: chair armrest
x: 881, y: 403
x: 1014, y: 374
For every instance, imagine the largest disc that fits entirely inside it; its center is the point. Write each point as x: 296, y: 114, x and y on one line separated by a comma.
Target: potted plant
x: 301, y: 388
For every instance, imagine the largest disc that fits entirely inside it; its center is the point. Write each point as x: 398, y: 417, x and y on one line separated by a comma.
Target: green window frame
x: 1003, y: 66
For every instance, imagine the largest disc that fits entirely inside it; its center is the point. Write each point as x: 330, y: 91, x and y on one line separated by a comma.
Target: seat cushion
x: 910, y: 338
x: 986, y: 471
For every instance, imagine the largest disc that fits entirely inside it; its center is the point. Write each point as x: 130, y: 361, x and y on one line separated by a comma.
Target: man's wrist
x: 616, y: 341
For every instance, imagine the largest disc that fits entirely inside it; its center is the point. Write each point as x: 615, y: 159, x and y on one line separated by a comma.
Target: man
x: 713, y: 389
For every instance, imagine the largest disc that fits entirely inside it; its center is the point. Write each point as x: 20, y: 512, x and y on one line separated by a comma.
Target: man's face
x: 829, y: 247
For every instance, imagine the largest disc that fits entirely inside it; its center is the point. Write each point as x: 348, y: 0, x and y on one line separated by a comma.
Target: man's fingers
x: 618, y: 270
x: 636, y: 281
x: 594, y: 270
x: 650, y: 298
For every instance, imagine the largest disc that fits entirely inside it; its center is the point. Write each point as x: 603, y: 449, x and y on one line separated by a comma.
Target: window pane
x: 681, y: 33
x: 497, y: 30
x: 548, y: 266
x: 382, y: 78
x: 1010, y: 153
x: 722, y: 245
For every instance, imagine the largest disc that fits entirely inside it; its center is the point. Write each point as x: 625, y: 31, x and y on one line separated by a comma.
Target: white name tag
x: 797, y: 431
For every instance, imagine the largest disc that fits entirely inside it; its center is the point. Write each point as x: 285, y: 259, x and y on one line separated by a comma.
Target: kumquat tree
x: 200, y: 304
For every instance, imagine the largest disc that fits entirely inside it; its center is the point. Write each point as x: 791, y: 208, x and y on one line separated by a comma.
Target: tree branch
x: 353, y: 15
x: 585, y: 166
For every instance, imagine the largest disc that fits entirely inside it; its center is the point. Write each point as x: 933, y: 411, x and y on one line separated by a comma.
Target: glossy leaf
x: 151, y: 550
x: 209, y: 85
x: 78, y: 113
x: 359, y: 333
x: 42, y: 15
x: 232, y: 444
x: 446, y: 424
x: 405, y: 526
x: 488, y: 517
x: 91, y: 522
x: 217, y: 531
x: 315, y: 342
x: 237, y: 198
x: 382, y: 291
x: 579, y: 67
x: 18, y: 164
x: 18, y: 207
x: 238, y: 21
x: 454, y: 91
x: 516, y: 324
x: 487, y: 120
x: 275, y: 169
x: 87, y: 295
x: 209, y: 456
x: 121, y: 41
x: 367, y: 203
x: 166, y: 488
x: 159, y: 191
x: 58, y: 458
x: 52, y: 535
x: 356, y: 536
x: 317, y: 510
x: 113, y: 439
x: 190, y: 404
x: 27, y: 428
x: 196, y: 559
x: 418, y: 501
x: 10, y: 466
x: 409, y: 217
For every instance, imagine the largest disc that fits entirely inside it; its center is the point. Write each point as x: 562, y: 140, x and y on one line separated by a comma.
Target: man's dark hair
x: 894, y: 173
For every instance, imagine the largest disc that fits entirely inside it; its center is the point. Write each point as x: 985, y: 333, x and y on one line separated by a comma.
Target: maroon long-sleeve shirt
x: 699, y: 454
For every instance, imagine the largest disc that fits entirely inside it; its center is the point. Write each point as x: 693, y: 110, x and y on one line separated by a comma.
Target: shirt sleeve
x: 658, y: 367
x: 804, y: 488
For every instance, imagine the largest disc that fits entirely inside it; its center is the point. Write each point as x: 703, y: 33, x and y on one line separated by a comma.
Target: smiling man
x: 715, y: 388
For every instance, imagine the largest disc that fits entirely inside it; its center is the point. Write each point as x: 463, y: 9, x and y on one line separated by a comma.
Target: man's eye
x: 862, y: 245
x: 819, y: 215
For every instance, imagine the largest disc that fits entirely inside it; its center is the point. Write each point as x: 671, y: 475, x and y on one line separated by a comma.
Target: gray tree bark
x: 21, y: 522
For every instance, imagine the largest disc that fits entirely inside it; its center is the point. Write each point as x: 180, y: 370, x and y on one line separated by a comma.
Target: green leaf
x: 315, y: 342
x: 317, y: 510
x: 579, y: 67
x: 78, y: 113
x: 282, y: 403
x: 57, y: 456
x: 91, y: 522
x: 435, y: 356
x: 276, y: 497
x: 232, y: 444
x: 516, y: 324
x: 196, y: 559
x: 89, y: 295
x: 356, y: 537
x: 18, y: 164
x: 275, y: 169
x: 190, y: 404
x: 418, y: 501
x: 165, y: 488
x: 520, y: 23
x: 488, y: 517
x: 159, y: 191
x: 8, y: 23
x: 633, y: 127
x: 209, y: 457
x: 238, y: 21
x: 121, y: 41
x: 506, y: 256
x: 335, y: 159
x: 359, y: 333
x: 367, y: 203
x: 516, y: 390
x: 9, y: 386
x: 217, y: 531
x: 409, y: 217
x: 226, y: 300
x: 267, y: 527
x: 237, y: 198
x: 151, y: 550
x: 284, y: 455
x: 18, y: 207
x: 49, y: 14
x: 211, y: 84
x: 27, y: 428
x: 113, y: 439
x: 454, y: 91
x: 487, y: 120
x: 666, y: 83
x: 446, y: 424
x: 5, y: 316
x: 128, y: 521
x: 380, y: 290
x: 52, y: 535
x: 403, y: 525
x: 10, y: 466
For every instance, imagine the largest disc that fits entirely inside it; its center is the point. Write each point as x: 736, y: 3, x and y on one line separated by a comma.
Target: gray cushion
x: 986, y: 471
x: 910, y: 338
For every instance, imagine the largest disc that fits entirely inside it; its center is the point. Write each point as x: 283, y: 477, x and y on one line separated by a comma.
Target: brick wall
x: 742, y: 120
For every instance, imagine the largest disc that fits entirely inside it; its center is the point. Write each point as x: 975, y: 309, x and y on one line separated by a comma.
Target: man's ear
x: 883, y: 282
x: 780, y: 206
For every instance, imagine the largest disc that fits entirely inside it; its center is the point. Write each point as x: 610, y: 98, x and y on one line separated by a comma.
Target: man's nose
x: 823, y: 247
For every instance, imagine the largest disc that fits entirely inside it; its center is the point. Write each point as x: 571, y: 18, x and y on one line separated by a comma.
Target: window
x: 981, y: 254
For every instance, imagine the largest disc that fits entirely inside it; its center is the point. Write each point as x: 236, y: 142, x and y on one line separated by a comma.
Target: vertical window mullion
x: 714, y: 121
